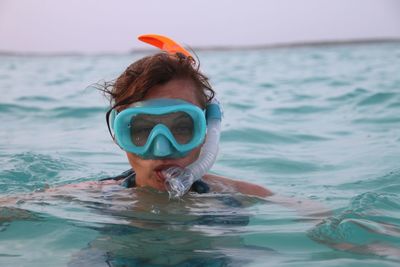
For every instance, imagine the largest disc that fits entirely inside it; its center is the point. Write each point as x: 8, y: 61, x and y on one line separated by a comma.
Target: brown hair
x: 133, y: 84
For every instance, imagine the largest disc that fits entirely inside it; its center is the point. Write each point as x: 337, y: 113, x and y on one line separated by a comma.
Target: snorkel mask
x: 160, y: 128
x: 169, y: 128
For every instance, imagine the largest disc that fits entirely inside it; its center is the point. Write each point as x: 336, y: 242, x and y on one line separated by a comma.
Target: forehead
x: 177, y: 89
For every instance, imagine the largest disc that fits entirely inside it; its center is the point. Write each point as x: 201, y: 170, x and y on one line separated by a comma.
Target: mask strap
x: 110, y: 115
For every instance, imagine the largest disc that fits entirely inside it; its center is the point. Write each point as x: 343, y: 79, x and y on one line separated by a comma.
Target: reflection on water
x: 137, y: 227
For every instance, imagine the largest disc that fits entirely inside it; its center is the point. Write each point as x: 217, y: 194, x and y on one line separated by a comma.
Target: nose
x: 162, y: 147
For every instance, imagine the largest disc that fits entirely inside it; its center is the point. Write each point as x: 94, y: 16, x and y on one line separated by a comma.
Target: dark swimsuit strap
x: 129, y: 176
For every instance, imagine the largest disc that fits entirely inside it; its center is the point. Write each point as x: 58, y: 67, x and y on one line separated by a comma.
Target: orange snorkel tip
x: 164, y: 43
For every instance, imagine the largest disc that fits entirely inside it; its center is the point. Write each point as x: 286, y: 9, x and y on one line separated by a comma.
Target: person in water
x: 165, y: 117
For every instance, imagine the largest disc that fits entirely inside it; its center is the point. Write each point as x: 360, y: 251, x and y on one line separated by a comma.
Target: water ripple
x: 75, y: 112
x: 253, y: 135
x: 370, y: 224
x: 349, y: 95
x: 29, y: 171
x: 275, y: 165
x: 301, y: 110
x: 16, y: 108
x: 38, y: 98
x: 389, y: 183
x: 377, y: 98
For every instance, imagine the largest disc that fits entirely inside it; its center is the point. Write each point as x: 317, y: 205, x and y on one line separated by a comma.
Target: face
x: 147, y: 169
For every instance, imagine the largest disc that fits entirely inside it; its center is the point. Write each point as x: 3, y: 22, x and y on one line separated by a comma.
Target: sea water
x: 317, y: 125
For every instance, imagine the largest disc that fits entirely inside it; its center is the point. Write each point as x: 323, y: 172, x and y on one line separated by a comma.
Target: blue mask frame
x: 160, y: 142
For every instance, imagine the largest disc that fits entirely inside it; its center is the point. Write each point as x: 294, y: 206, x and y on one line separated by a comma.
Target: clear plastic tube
x: 179, y: 180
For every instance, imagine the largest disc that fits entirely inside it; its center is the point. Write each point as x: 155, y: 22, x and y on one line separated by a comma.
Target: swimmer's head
x: 162, y: 75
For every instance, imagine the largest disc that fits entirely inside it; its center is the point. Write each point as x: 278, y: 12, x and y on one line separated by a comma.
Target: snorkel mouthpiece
x: 178, y: 181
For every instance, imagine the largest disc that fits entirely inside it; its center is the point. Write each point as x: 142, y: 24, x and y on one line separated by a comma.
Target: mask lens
x: 182, y: 128
x: 180, y: 124
x: 141, y: 126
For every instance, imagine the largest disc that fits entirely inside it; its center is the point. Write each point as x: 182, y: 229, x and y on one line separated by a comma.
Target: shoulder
x: 223, y: 184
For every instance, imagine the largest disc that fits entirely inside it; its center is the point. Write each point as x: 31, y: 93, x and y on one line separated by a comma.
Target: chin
x: 159, y: 187
x: 158, y: 182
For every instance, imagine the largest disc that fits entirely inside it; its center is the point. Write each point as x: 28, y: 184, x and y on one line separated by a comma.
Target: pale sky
x: 94, y: 26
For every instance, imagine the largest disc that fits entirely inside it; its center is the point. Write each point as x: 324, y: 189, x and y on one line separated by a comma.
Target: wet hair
x: 133, y: 84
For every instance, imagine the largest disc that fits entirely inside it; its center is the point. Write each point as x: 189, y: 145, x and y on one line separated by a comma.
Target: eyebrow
x: 182, y: 116
x: 142, y: 120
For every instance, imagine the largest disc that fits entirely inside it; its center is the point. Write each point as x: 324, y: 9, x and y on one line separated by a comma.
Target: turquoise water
x: 310, y: 123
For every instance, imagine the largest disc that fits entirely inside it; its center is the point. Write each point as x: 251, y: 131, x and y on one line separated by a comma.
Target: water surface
x: 310, y: 123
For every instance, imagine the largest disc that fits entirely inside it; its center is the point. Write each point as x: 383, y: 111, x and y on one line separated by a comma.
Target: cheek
x: 196, y: 152
x: 131, y: 158
x: 140, y: 165
x: 136, y: 162
x: 191, y: 157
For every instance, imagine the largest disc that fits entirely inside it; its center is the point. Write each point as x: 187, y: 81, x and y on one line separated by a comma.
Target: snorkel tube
x: 179, y: 180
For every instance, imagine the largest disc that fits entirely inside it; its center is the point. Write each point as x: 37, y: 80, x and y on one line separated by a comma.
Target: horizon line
x: 219, y: 47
